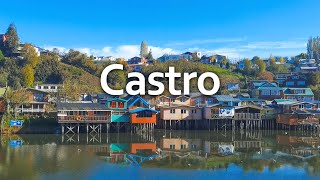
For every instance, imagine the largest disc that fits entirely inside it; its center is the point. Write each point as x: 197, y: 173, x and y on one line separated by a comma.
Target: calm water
x: 162, y: 155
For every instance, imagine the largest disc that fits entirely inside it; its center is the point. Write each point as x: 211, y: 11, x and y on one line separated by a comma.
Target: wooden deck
x: 84, y: 119
x: 240, y: 116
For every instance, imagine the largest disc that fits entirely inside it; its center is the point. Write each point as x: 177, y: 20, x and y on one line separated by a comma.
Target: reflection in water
x: 76, y: 156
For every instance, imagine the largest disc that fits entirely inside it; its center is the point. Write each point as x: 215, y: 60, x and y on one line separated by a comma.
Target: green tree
x: 144, y: 49
x: 282, y: 60
x: 261, y: 64
x: 30, y: 54
x: 247, y: 66
x: 149, y: 56
x: 12, y: 42
x: 28, y: 75
x: 228, y: 65
x: 1, y: 56
x: 48, y: 71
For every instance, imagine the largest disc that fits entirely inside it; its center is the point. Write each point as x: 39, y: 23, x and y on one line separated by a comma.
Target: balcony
x: 240, y: 116
x: 83, y: 119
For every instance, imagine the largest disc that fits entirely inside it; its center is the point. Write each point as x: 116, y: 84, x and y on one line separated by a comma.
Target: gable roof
x: 136, y: 110
x: 307, y: 91
x: 135, y: 99
x: 226, y: 98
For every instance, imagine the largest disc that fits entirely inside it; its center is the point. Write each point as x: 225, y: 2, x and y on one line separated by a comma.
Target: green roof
x: 307, y: 91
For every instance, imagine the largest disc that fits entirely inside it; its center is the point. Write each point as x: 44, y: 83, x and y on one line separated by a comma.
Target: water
x: 162, y: 155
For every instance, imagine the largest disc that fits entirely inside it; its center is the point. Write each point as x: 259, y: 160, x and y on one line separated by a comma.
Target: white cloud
x: 125, y: 51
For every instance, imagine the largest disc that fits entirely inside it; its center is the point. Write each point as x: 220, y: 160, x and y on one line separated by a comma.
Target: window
x: 172, y: 111
x: 275, y: 92
x: 38, y: 97
x: 301, y: 83
x: 308, y: 106
x: 120, y: 105
x: 144, y: 114
x: 299, y: 91
x: 193, y: 146
x: 182, y: 99
x: 171, y: 100
x: 113, y: 104
x: 183, y: 146
x: 290, y: 83
x: 45, y: 87
x: 52, y: 87
x: 193, y: 111
x: 265, y: 92
x: 301, y: 106
x: 172, y: 146
x: 183, y: 111
x: 295, y: 77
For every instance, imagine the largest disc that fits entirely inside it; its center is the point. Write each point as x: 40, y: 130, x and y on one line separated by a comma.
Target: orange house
x: 135, y: 147
x: 140, y: 111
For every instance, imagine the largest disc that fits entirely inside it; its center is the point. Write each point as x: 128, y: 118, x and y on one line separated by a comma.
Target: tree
x: 261, y: 64
x: 314, y: 79
x: 255, y: 58
x: 282, y: 60
x: 144, y: 49
x: 12, y: 42
x: 213, y: 59
x: 15, y: 99
x: 228, y: 65
x: 266, y: 76
x: 149, y: 56
x: 48, y: 71
x: 28, y: 75
x: 247, y: 66
x: 1, y: 56
x: 30, y: 54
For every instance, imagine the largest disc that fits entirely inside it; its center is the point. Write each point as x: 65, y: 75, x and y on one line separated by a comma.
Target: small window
x: 113, y: 104
x: 183, y: 111
x: 193, y: 146
x: 172, y: 111
x: 172, y: 146
x: 45, y: 87
x: 120, y: 105
x: 171, y: 100
x: 183, y: 146
x: 52, y: 87
x: 301, y: 106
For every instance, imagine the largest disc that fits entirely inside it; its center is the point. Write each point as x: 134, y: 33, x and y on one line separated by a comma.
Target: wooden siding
x: 295, y: 119
x: 143, y: 120
x: 166, y: 115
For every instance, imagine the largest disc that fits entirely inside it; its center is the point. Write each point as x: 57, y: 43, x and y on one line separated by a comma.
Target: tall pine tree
x: 12, y: 42
x: 144, y: 49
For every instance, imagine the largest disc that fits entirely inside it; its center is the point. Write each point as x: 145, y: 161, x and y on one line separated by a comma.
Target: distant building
x: 49, y: 87
x: 265, y: 90
x: 166, y: 58
x: 137, y: 63
x: 241, y: 65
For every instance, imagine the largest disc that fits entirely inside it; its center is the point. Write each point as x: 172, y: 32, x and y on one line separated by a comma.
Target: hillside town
x: 257, y: 93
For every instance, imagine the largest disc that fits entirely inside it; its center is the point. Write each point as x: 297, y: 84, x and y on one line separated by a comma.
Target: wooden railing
x: 84, y: 119
x: 240, y: 116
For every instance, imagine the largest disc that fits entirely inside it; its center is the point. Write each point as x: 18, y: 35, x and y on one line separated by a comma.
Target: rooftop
x: 81, y: 107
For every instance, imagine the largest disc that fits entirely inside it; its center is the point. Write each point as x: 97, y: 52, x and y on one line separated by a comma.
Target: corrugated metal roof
x: 226, y: 98
x: 307, y: 91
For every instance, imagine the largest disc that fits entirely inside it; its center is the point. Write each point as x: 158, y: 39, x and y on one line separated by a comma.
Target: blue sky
x: 231, y: 27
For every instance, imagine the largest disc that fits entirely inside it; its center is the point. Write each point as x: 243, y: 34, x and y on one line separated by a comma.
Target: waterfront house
x: 174, y: 100
x: 83, y: 113
x: 51, y: 88
x: 233, y: 113
x: 180, y: 112
x: 36, y: 102
x: 132, y: 109
x: 265, y: 90
x: 293, y: 112
x: 301, y: 94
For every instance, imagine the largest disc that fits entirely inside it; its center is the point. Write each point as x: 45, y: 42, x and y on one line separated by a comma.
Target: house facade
x: 294, y: 80
x: 301, y: 94
x: 266, y: 90
x: 137, y: 63
x: 37, y: 102
x: 52, y: 88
